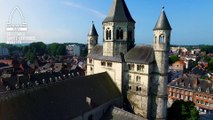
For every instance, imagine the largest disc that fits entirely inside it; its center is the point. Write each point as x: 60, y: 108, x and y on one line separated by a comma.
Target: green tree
x: 207, y: 48
x: 173, y: 59
x: 52, y: 48
x: 38, y: 48
x: 55, y: 49
x: 181, y: 110
x: 210, y: 65
x: 30, y: 56
x: 61, y: 50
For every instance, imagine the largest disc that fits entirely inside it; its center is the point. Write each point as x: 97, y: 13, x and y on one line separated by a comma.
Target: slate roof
x: 188, y: 82
x: 140, y: 54
x: 163, y: 22
x: 61, y: 101
x: 12, y: 81
x: 97, y: 53
x: 119, y: 114
x: 119, y: 13
x: 93, y: 31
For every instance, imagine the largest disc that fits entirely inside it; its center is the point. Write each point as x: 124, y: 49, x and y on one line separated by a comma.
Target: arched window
x: 110, y: 34
x: 121, y: 34
x: 161, y: 39
x: 117, y: 34
x: 107, y: 34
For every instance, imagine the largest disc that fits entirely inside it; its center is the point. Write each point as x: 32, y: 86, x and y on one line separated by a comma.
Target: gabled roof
x: 63, y: 100
x: 140, y: 54
x: 163, y: 22
x: 191, y: 82
x: 119, y: 13
x: 97, y: 53
x: 93, y: 31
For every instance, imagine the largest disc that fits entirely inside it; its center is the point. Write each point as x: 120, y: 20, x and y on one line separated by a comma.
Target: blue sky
x: 70, y: 20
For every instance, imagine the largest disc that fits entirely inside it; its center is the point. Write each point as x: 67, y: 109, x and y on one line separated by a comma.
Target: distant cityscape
x: 116, y: 80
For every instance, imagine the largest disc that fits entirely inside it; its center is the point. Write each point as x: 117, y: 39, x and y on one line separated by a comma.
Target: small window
x: 107, y: 34
x: 103, y: 63
x: 131, y: 66
x: 199, y: 89
x: 91, y: 68
x: 190, y: 98
x: 90, y: 60
x: 161, y: 39
x: 140, y: 67
x: 130, y: 87
x: 110, y: 32
x: 138, y: 78
x: 117, y: 34
x: 130, y: 77
x: 109, y: 64
x: 138, y: 88
x: 121, y: 34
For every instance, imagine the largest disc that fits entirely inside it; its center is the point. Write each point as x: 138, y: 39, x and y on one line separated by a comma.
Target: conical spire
x: 93, y: 31
x: 162, y: 23
x: 119, y: 13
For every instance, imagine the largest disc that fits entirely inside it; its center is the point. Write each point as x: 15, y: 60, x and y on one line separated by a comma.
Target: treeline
x: 35, y: 49
x: 204, y: 48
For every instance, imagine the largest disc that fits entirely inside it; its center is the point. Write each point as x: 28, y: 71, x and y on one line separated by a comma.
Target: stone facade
x: 140, y: 72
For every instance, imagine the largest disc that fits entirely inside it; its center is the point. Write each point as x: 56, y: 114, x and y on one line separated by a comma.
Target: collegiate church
x: 140, y: 72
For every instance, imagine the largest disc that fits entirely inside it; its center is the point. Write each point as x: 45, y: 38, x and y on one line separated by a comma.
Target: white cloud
x: 79, y: 6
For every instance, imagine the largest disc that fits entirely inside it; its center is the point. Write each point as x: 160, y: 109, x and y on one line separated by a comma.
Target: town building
x: 178, y: 65
x: 4, y: 51
x: 140, y: 72
x: 191, y: 88
x: 73, y: 50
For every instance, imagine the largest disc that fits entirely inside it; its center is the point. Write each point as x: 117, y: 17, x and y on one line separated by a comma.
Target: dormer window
x: 183, y: 84
x: 208, y: 90
x: 199, y: 89
x: 189, y: 85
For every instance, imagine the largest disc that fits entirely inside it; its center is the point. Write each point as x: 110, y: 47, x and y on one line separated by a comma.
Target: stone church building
x: 140, y: 72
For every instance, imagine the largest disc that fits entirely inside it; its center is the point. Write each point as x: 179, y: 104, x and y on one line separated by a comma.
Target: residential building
x: 191, y: 88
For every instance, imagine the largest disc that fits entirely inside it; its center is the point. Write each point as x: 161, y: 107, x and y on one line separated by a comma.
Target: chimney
x: 89, y: 101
